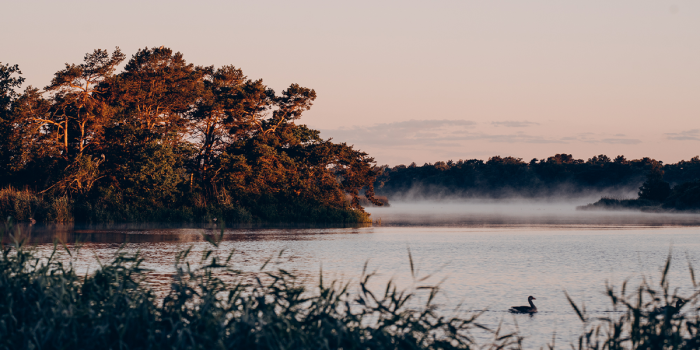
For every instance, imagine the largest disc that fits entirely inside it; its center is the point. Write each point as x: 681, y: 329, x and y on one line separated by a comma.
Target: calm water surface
x: 487, y: 257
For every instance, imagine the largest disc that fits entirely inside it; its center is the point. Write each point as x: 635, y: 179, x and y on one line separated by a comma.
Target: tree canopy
x: 555, y: 176
x: 165, y: 133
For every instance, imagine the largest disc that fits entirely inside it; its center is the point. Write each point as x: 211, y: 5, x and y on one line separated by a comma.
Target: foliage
x: 685, y: 196
x: 655, y: 194
x: 47, y: 305
x: 655, y: 188
x: 556, y: 176
x: 9, y: 81
x: 27, y: 206
x: 651, y: 317
x: 143, y: 143
x: 8, y: 84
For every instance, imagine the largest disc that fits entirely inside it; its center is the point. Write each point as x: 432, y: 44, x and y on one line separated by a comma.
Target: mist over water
x: 426, y: 185
x: 487, y: 255
x: 517, y: 212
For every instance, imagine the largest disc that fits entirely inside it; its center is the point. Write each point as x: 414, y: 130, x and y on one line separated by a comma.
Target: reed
x: 18, y: 204
x: 46, y: 305
x: 25, y: 205
x: 650, y: 317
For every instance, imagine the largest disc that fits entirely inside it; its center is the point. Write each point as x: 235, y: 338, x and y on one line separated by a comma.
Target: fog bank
x: 517, y: 212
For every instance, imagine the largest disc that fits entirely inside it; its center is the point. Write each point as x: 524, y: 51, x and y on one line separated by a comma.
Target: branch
x: 49, y: 121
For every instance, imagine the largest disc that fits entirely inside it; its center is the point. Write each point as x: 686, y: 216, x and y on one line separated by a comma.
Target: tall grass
x: 45, y: 304
x: 25, y: 205
x: 650, y: 317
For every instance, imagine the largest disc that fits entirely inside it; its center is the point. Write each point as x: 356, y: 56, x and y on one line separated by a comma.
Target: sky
x: 421, y: 81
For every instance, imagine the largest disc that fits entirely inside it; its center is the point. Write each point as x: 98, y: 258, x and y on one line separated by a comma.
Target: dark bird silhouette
x: 525, y: 309
x: 670, y: 310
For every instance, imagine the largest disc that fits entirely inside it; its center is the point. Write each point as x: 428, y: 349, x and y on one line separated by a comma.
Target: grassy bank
x: 24, y: 205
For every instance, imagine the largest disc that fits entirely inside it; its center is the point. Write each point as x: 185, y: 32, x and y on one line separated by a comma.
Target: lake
x: 487, y: 256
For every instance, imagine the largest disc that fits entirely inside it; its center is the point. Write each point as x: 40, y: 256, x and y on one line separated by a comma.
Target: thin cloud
x: 446, y: 133
x: 429, y: 133
x: 510, y: 138
x: 402, y: 133
x: 693, y: 135
x: 621, y: 141
x: 514, y: 124
x: 589, y: 137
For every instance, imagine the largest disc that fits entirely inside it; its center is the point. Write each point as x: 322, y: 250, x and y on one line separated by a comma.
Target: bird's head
x: 531, y: 298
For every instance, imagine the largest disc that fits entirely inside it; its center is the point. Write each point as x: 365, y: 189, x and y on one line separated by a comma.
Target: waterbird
x: 668, y: 309
x: 525, y: 309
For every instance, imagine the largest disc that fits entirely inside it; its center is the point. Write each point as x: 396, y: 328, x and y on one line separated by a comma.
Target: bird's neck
x: 531, y: 303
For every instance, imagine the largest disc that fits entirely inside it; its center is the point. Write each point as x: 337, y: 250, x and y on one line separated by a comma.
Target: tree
x: 215, y: 115
x: 56, y: 131
x: 289, y: 107
x: 655, y: 188
x: 599, y: 160
x: 142, y: 171
x: 8, y: 85
x: 155, y: 91
x: 620, y: 160
x: 163, y: 132
x: 10, y: 80
x: 684, y: 196
x: 33, y: 154
x: 78, y: 110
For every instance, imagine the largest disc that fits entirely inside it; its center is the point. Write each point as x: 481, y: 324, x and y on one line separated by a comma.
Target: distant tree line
x: 656, y: 194
x: 558, y: 175
x: 164, y: 139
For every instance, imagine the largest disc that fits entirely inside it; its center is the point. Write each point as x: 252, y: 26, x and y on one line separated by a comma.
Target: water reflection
x: 164, y: 233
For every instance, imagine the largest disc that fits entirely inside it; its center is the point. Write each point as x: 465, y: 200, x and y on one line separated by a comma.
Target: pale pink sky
x: 421, y: 80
